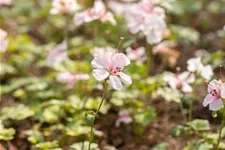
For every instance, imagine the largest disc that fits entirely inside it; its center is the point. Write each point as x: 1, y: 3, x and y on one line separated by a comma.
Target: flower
x: 181, y: 81
x: 100, y: 50
x: 5, y: 2
x: 3, y: 40
x: 57, y: 54
x: 147, y: 18
x: 97, y: 12
x: 216, y: 92
x: 124, y: 117
x: 71, y: 79
x: 109, y: 66
x: 195, y: 65
x: 135, y: 54
x: 64, y: 6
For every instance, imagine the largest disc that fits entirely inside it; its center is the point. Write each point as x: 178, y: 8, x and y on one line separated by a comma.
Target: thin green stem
x: 96, y: 113
x: 190, y: 111
x: 149, y: 58
x: 221, y: 127
x: 66, y: 30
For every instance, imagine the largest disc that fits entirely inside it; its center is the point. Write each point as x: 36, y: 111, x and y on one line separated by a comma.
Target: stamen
x: 121, y: 39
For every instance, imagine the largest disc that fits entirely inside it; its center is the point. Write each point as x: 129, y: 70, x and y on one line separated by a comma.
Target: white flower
x: 71, y: 79
x: 64, y: 6
x: 124, y: 117
x: 3, y: 40
x: 109, y: 66
x: 57, y: 54
x: 195, y: 65
x: 135, y: 54
x: 181, y: 81
x: 97, y: 12
x: 5, y: 2
x: 101, y: 50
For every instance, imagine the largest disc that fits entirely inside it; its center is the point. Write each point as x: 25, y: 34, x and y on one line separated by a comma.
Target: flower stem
x: 149, y: 58
x: 221, y: 127
x: 66, y: 38
x: 96, y: 113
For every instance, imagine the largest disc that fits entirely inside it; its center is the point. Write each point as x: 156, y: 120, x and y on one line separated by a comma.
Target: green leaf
x: 161, y: 146
x: 199, y: 125
x: 47, y: 145
x: 177, y: 131
x: 205, y: 146
x: 17, y: 112
x: 84, y: 146
x: 6, y: 134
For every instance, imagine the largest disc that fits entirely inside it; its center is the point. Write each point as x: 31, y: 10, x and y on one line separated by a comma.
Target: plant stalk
x: 221, y: 127
x: 96, y: 113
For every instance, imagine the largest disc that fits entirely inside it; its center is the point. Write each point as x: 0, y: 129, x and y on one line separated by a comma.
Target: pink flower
x: 57, y: 54
x: 135, y: 54
x: 100, y: 50
x: 181, y: 81
x: 3, y: 40
x: 71, y: 79
x: 5, y: 2
x: 109, y: 66
x: 195, y: 65
x: 148, y: 18
x: 97, y: 12
x: 64, y: 6
x: 124, y: 117
x: 215, y: 96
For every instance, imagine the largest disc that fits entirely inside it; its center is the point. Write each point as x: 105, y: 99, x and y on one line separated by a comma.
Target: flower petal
x: 208, y: 99
x: 186, y: 88
x: 223, y: 91
x: 125, y: 78
x: 115, y: 82
x: 120, y: 60
x: 207, y: 72
x: 100, y: 62
x: 215, y: 105
x: 100, y: 74
x: 214, y: 85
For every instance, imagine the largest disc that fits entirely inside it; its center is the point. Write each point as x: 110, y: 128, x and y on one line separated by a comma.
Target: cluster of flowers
x: 183, y: 80
x: 144, y: 16
x: 97, y: 12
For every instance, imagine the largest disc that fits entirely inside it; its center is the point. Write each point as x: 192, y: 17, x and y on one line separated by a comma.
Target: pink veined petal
x: 216, y: 104
x: 120, y: 60
x: 208, y: 99
x: 100, y: 74
x: 223, y: 90
x: 214, y: 84
x: 186, y: 88
x: 125, y: 78
x: 115, y: 82
x: 101, y: 62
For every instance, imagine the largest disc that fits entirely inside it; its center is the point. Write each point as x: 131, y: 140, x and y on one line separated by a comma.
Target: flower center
x: 115, y: 70
x: 214, y: 93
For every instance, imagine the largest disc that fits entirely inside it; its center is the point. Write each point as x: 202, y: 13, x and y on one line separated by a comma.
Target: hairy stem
x: 149, y: 58
x: 221, y: 127
x: 96, y: 113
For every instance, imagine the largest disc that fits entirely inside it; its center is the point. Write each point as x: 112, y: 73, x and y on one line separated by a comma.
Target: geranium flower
x: 97, y: 12
x: 148, y: 18
x: 3, y: 40
x: 195, y: 65
x: 5, y: 2
x: 100, y: 50
x: 57, y: 54
x: 135, y: 54
x: 71, y: 79
x: 216, y: 92
x: 64, y: 6
x: 124, y: 117
x: 109, y: 66
x: 181, y: 81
